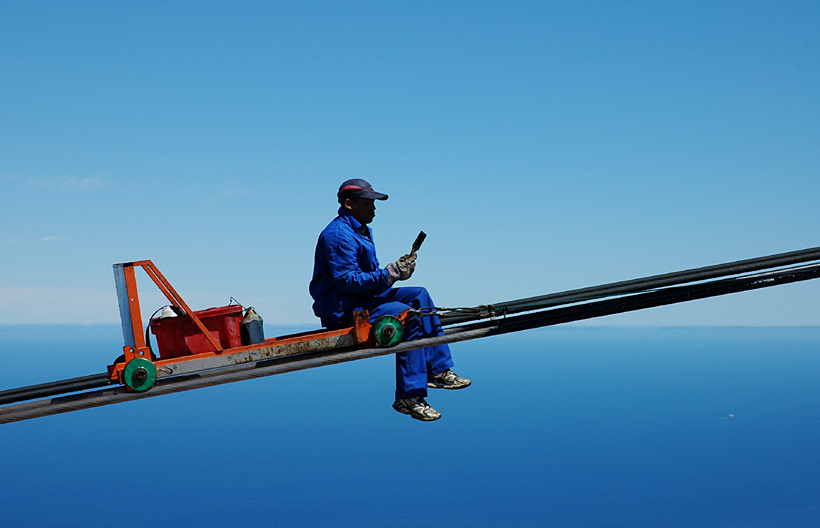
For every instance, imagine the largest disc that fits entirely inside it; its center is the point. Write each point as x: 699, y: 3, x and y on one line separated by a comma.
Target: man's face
x: 362, y: 209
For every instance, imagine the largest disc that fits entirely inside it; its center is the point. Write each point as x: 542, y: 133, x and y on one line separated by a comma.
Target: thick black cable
x: 54, y: 388
x: 477, y: 330
x: 636, y: 285
x: 638, y: 301
x: 641, y: 301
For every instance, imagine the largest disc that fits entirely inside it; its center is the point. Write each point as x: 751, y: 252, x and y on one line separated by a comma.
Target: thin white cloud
x: 58, y: 183
x: 9, y: 177
x: 52, y: 239
x: 21, y: 304
x: 62, y: 183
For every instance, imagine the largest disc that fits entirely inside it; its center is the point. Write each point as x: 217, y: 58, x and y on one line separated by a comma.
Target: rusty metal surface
x: 256, y: 354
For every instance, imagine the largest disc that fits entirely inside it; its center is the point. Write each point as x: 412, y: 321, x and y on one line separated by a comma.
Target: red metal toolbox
x: 179, y: 336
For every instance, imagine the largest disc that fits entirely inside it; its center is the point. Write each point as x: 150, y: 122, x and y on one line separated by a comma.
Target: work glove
x: 402, y: 269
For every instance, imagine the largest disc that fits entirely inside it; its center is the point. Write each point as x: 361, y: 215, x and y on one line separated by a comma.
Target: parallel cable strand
x: 25, y: 411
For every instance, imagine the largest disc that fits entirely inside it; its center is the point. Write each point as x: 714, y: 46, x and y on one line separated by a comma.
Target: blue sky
x: 542, y: 146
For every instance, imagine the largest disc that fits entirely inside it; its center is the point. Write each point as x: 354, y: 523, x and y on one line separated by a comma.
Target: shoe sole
x: 434, y: 385
x: 422, y: 418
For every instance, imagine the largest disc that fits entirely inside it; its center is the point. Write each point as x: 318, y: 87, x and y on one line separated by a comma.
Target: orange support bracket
x: 361, y: 326
x: 176, y: 299
x: 132, y: 329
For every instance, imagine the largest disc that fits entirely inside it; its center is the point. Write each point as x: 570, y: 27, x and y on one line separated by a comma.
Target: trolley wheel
x: 140, y: 374
x: 121, y: 358
x: 387, y: 331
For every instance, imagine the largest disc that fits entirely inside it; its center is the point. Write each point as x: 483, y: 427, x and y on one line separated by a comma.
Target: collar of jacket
x: 357, y: 226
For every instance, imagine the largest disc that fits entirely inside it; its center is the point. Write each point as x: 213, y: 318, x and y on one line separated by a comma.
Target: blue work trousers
x: 411, y: 367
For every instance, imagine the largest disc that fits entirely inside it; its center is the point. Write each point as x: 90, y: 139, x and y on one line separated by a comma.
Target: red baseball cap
x: 358, y: 188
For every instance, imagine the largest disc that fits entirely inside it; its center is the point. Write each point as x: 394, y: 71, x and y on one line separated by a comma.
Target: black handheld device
x: 418, y: 242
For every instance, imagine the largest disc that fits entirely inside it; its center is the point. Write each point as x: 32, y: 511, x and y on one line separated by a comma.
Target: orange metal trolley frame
x: 136, y: 346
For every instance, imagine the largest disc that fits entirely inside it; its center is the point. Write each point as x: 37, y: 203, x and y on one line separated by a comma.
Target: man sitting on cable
x: 347, y: 278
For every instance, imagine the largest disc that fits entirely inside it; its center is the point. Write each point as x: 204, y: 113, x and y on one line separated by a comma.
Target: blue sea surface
x: 565, y: 426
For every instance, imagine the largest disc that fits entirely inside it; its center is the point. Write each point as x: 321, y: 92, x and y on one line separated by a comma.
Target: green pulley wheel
x: 387, y: 331
x: 140, y: 374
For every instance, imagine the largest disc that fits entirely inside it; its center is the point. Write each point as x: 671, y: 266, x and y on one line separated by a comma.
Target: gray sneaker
x: 446, y: 380
x: 417, y: 408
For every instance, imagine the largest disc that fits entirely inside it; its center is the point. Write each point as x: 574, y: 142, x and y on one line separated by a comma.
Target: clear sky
x: 542, y: 146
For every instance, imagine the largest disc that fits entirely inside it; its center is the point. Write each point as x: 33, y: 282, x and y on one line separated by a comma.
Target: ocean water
x: 565, y: 427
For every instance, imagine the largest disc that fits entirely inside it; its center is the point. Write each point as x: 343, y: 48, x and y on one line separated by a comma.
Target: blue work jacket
x: 345, y: 267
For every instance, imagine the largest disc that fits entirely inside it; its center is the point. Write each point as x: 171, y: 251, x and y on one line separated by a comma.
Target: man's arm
x: 348, y: 277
